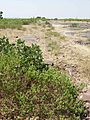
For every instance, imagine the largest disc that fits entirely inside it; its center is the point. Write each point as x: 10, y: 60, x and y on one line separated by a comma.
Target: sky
x: 45, y: 8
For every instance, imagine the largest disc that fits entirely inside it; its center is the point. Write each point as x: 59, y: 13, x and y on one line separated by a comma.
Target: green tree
x: 1, y: 14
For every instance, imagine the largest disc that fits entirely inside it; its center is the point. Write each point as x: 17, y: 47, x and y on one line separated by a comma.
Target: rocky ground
x: 75, y: 52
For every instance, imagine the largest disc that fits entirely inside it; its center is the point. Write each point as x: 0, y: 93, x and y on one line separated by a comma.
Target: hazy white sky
x: 47, y: 8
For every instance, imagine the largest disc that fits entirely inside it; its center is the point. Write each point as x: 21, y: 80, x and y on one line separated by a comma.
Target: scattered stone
x: 30, y: 39
x: 34, y: 118
x: 87, y: 105
x: 16, y: 37
x: 85, y: 97
x: 83, y: 42
x: 49, y: 63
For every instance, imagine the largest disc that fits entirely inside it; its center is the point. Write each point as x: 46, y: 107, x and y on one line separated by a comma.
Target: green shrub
x: 30, y: 88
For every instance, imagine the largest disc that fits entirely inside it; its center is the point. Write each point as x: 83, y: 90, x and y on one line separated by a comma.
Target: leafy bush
x: 30, y: 88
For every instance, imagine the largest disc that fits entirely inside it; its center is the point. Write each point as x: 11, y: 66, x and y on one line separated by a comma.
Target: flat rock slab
x: 82, y: 42
x: 85, y: 96
x: 82, y: 25
x: 85, y: 34
x: 70, y: 33
x: 30, y: 39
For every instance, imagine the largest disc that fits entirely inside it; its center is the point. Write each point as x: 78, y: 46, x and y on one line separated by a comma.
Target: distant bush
x: 55, y: 18
x: 74, y: 25
x: 28, y: 87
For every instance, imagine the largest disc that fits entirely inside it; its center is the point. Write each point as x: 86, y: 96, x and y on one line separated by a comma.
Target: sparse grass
x: 50, y: 33
x: 17, y: 23
x: 55, y: 34
x: 88, y: 39
x: 10, y: 23
x: 50, y: 28
x: 53, y: 38
x: 53, y: 47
